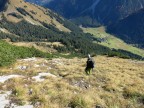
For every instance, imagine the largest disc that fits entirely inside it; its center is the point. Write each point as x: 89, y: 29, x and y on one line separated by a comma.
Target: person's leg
x: 90, y: 69
x: 86, y: 70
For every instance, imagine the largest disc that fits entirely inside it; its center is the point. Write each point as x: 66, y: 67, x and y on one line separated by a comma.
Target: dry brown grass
x: 114, y: 83
x: 39, y: 15
x: 42, y: 46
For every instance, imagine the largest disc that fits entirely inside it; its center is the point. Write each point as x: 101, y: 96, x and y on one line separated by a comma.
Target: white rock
x: 3, y: 99
x: 29, y: 59
x: 25, y: 106
x: 35, y: 65
x: 5, y: 78
x: 39, y: 78
x: 22, y: 67
x: 49, y: 68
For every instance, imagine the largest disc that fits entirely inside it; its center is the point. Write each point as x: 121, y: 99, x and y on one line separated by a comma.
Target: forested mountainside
x: 117, y: 14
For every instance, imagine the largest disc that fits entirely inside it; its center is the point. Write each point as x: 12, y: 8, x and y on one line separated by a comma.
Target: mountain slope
x: 31, y: 13
x: 22, y: 21
x: 130, y: 29
x: 114, y: 83
x: 102, y: 11
x: 109, y: 11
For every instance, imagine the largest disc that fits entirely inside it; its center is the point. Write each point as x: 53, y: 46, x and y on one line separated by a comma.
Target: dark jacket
x: 90, y: 63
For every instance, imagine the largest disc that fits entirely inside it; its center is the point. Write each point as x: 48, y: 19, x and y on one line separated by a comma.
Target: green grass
x: 9, y: 53
x: 112, y: 41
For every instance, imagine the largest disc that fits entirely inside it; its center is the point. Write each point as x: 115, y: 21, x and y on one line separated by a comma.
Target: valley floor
x: 112, y: 41
x: 62, y: 83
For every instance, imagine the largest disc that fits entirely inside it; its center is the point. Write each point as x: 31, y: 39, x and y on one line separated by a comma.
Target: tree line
x: 74, y: 42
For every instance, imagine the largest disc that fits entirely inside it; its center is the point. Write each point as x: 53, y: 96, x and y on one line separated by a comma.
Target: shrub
x: 9, y: 53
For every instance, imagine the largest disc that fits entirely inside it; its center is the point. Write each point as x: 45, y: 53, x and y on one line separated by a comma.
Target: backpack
x: 90, y: 63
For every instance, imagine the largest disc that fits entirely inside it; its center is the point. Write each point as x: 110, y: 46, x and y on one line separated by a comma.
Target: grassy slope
x: 36, y: 15
x: 114, y: 83
x: 42, y: 46
x: 111, y: 41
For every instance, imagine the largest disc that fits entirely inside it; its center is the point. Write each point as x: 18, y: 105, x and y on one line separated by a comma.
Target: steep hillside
x: 62, y: 83
x: 18, y: 10
x: 130, y: 29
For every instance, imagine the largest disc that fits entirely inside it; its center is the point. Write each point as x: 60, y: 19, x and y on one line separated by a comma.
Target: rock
x: 81, y: 84
x: 22, y: 67
x: 39, y: 78
x: 30, y: 91
x: 5, y: 78
x: 98, y: 106
x: 30, y: 59
x: 35, y: 65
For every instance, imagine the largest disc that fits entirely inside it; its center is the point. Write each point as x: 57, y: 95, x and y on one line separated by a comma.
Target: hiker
x: 90, y: 65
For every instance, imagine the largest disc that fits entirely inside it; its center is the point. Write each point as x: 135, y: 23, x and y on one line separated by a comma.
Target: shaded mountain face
x: 67, y: 8
x: 39, y: 2
x: 2, y: 4
x: 102, y: 11
x: 109, y: 11
x: 130, y: 29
